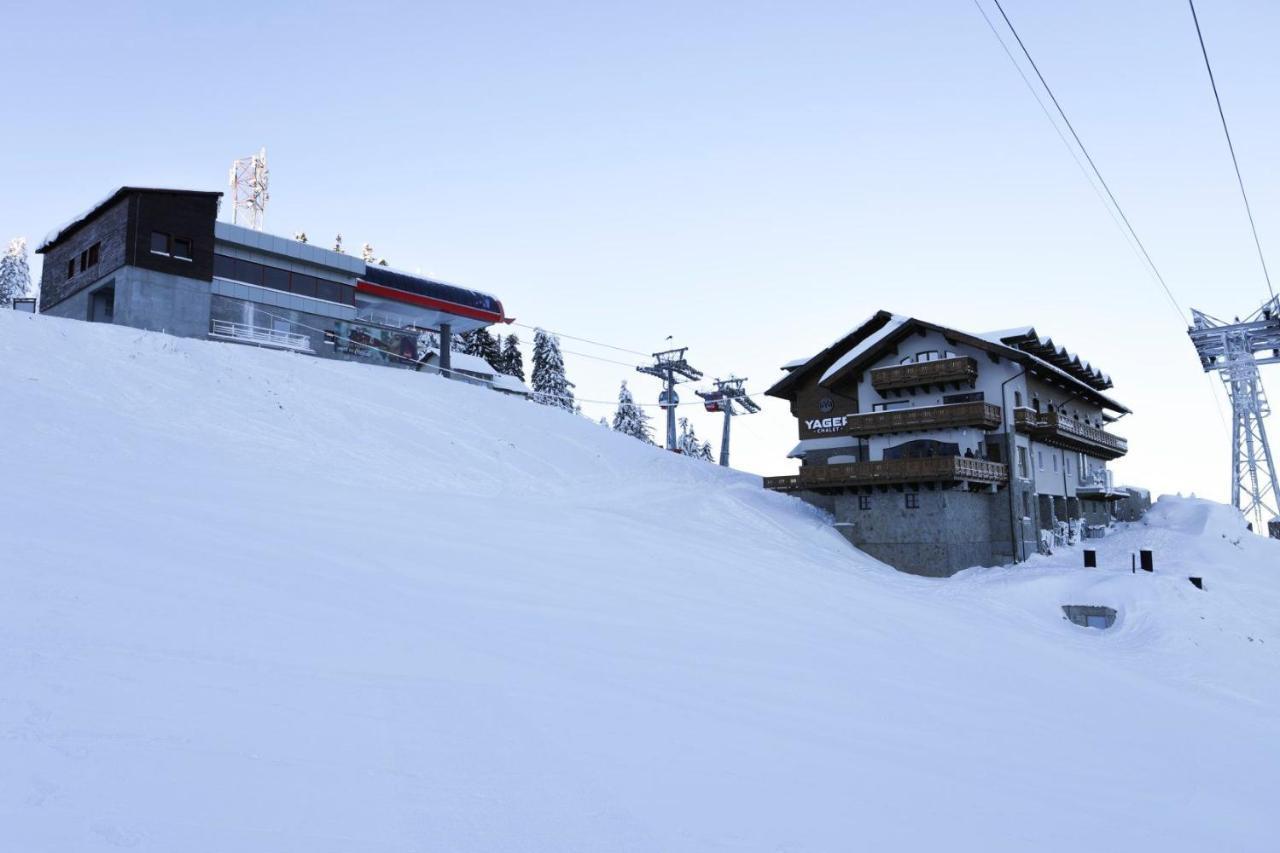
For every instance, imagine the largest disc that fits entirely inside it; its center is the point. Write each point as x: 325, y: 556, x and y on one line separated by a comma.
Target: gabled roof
x: 801, y: 370
x: 63, y: 231
x: 851, y: 354
x: 1027, y: 339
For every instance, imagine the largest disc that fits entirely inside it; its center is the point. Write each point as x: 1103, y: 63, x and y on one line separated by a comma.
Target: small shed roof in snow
x: 461, y: 361
x: 510, y: 384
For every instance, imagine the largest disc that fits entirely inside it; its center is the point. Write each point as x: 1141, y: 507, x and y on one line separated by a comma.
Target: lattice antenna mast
x: 667, y: 365
x: 728, y: 397
x: 1235, y: 350
x: 249, y: 190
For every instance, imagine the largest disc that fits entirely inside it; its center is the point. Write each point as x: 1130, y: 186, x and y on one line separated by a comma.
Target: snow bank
x: 256, y: 601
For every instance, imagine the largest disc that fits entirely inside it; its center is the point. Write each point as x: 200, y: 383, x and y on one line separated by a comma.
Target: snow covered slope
x: 252, y: 601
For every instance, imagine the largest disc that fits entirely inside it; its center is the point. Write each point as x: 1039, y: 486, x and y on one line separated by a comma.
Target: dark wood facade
x: 119, y: 232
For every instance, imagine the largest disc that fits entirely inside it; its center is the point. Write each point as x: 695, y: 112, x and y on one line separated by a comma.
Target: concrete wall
x: 160, y: 302
x: 949, y: 530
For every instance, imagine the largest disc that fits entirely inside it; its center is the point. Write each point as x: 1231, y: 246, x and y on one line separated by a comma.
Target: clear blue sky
x: 751, y: 178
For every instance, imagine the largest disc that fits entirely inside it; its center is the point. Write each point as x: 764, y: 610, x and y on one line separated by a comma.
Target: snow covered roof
x: 895, y: 323
x: 808, y: 445
x: 462, y: 361
x: 796, y: 362
x: 1026, y: 339
x: 510, y: 384
x: 110, y: 198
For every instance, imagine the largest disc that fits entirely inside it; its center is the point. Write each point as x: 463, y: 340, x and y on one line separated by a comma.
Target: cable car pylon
x: 728, y: 396
x: 667, y: 365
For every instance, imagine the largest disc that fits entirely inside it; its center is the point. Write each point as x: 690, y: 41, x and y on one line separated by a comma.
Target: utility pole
x: 1235, y: 350
x: 667, y: 366
x: 729, y: 394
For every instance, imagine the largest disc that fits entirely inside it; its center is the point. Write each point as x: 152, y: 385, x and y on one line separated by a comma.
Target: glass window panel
x: 224, y: 267
x: 160, y: 242
x: 248, y: 272
x: 275, y: 278
x: 303, y: 285
x: 182, y: 248
x: 330, y: 290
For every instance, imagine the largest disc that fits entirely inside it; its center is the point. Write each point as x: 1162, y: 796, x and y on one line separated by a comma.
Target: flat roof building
x: 937, y: 449
x: 159, y: 259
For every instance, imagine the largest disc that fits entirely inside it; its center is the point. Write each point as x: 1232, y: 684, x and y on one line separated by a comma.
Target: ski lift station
x: 159, y: 259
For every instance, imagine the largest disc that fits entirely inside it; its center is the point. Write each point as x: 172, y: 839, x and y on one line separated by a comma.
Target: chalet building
x: 936, y: 450
x: 158, y: 259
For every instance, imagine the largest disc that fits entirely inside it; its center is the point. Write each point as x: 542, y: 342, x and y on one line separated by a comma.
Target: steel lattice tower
x: 667, y: 365
x: 249, y: 190
x: 729, y: 394
x: 1235, y: 350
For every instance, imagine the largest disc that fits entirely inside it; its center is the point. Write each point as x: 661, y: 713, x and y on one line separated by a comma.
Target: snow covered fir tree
x: 550, y: 387
x: 483, y: 345
x: 511, y: 362
x: 630, y: 419
x: 689, y: 444
x: 15, y: 272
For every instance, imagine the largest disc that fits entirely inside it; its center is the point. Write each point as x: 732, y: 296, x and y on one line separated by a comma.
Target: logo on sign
x: 826, y: 405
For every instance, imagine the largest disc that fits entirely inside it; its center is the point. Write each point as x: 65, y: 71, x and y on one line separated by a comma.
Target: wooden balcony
x: 1070, y: 434
x: 979, y: 415
x: 943, y: 373
x: 892, y: 472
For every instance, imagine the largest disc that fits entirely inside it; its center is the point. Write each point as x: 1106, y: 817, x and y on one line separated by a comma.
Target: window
x: 1040, y: 459
x: 1017, y: 399
x: 303, y: 285
x: 159, y: 243
x: 224, y: 267
x: 182, y: 248
x: 94, y: 251
x: 927, y: 355
x: 84, y: 260
x: 248, y: 272
x: 71, y: 268
x: 329, y: 290
x: 1026, y: 504
x: 1022, y: 462
x: 891, y: 404
x: 913, y: 500
x: 1054, y: 458
x: 274, y: 278
x: 864, y: 501
x: 1035, y: 403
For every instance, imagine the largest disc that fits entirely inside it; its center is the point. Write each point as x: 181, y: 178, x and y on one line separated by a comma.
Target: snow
x: 794, y: 363
x: 895, y: 322
x: 256, y: 601
x: 510, y: 384
x: 1000, y: 336
x: 459, y: 360
x: 810, y: 444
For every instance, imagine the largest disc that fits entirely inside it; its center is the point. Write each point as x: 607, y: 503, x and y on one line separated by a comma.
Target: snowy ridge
x: 255, y: 601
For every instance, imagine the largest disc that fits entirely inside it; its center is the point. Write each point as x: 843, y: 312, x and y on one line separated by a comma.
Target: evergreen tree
x: 511, y: 360
x: 15, y: 272
x: 366, y: 253
x: 337, y: 245
x: 301, y: 236
x: 482, y: 344
x: 550, y: 386
x: 631, y: 419
x: 689, y: 445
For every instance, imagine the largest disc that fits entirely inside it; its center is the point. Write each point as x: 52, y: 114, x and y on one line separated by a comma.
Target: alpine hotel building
x: 936, y: 450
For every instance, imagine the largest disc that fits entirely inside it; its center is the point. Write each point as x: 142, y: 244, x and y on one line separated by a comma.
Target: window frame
x: 174, y: 242
x: 912, y: 500
x: 168, y: 244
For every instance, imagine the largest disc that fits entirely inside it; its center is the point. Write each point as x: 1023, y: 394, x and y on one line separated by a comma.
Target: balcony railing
x: 981, y: 415
x: 244, y: 333
x: 933, y: 469
x: 946, y: 371
x: 1053, y: 429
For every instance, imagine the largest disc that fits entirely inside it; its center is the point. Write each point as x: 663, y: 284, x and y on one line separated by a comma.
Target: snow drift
x: 254, y: 601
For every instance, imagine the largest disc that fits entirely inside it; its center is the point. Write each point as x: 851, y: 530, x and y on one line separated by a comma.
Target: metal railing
x: 938, y: 372
x: 258, y: 335
x: 983, y: 415
x: 932, y: 469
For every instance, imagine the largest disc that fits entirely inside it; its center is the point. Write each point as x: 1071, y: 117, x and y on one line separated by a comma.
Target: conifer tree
x: 337, y: 245
x: 689, y: 444
x: 483, y: 345
x: 366, y: 253
x: 550, y: 386
x: 512, y: 361
x: 15, y: 272
x: 630, y: 419
x: 301, y: 236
